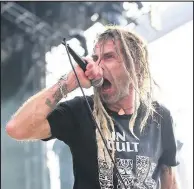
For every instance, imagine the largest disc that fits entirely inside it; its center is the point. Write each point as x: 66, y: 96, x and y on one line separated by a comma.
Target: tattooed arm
x: 29, y: 122
x: 169, y: 178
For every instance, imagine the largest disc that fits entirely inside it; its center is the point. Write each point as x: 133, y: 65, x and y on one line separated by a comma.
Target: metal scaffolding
x: 37, y: 29
x: 25, y: 20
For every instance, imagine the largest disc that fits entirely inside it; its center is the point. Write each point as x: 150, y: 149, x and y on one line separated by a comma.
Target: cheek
x: 122, y: 72
x: 117, y: 71
x: 115, y: 67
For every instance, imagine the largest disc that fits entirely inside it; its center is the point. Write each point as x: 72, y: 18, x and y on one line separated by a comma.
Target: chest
x: 124, y: 143
x: 149, y: 142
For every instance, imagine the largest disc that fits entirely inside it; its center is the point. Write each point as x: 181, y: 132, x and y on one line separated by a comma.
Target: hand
x: 84, y: 81
x: 93, y: 73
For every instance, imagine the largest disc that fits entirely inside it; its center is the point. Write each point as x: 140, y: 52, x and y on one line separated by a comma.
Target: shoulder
x: 163, y: 116
x: 167, y: 122
x: 162, y: 110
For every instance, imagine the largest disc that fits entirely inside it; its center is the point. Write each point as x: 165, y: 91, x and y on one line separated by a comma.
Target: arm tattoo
x: 57, y: 96
x: 168, y: 178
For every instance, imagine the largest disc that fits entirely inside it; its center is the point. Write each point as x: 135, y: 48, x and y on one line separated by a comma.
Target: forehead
x: 106, y: 46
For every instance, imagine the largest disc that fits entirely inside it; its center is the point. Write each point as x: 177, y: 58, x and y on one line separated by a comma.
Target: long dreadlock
x: 135, y: 57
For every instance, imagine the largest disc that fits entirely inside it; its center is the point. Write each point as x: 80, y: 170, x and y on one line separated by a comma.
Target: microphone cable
x: 90, y: 110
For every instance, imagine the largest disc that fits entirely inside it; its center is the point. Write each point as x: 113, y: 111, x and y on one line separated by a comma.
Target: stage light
x: 126, y: 5
x: 94, y: 17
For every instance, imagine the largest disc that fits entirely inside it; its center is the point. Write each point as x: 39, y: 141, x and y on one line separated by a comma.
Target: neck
x: 125, y: 105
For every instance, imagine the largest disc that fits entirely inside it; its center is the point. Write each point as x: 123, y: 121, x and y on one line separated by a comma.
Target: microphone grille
x: 97, y: 83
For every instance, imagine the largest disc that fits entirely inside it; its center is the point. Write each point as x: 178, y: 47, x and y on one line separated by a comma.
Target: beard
x: 120, y: 89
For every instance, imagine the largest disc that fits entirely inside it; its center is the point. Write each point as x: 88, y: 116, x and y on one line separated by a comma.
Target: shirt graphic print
x: 144, y: 168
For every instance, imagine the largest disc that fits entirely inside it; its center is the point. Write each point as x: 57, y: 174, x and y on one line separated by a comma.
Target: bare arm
x: 169, y: 178
x: 30, y: 122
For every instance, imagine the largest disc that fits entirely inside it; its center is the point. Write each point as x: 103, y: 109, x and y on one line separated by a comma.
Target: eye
x: 108, y: 56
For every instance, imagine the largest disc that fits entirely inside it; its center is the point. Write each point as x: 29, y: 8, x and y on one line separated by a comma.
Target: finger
x: 91, y: 74
x: 91, y: 77
x: 78, y: 69
x: 86, y: 73
x: 95, y: 73
x: 80, y: 72
x: 90, y: 62
x: 90, y: 66
x: 92, y: 70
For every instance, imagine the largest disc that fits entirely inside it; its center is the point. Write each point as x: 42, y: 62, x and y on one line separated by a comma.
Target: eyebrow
x: 104, y: 54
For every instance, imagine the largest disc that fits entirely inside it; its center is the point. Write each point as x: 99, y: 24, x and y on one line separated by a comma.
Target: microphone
x: 82, y: 63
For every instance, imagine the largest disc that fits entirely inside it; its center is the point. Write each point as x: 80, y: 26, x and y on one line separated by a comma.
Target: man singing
x: 138, y: 130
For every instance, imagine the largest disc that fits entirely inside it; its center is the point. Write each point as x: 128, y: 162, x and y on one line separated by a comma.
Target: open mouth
x: 106, y: 85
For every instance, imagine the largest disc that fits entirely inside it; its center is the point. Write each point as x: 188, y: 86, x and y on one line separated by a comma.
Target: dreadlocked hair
x: 135, y: 56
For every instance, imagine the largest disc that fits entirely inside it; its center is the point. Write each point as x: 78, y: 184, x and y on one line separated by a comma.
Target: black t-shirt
x: 138, y: 161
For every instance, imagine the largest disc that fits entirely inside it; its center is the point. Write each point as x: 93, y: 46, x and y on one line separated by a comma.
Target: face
x: 116, y: 78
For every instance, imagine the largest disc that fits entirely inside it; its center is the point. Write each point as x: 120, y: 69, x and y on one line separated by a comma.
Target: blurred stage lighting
x: 126, y: 5
x: 57, y: 59
x: 94, y: 17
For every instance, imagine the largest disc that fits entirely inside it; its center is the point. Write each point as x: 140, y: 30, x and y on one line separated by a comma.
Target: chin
x: 113, y: 98
x: 110, y: 99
